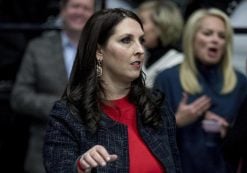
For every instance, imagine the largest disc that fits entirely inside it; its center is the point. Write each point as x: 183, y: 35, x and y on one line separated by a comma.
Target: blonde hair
x: 167, y: 18
x: 188, y: 71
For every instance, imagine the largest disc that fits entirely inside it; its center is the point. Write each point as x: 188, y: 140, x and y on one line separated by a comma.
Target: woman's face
x: 151, y: 34
x: 209, y: 42
x: 123, y: 53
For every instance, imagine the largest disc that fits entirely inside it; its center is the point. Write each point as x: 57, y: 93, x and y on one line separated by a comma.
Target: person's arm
x: 220, y: 124
x: 94, y: 157
x: 185, y: 113
x: 64, y: 139
x: 25, y: 98
x: 61, y: 143
x: 188, y: 113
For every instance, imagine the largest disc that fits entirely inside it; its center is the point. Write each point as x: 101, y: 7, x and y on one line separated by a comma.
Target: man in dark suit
x: 44, y: 73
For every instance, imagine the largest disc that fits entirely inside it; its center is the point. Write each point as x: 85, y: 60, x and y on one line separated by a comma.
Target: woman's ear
x: 99, y: 53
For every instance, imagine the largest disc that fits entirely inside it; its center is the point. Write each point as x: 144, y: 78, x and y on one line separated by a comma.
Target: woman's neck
x: 206, y: 67
x: 115, y: 91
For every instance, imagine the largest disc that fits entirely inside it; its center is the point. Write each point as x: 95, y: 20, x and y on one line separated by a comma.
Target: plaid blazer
x: 67, y: 138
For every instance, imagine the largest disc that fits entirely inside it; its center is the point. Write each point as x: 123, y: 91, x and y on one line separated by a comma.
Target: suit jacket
x: 40, y: 82
x: 68, y: 137
x: 42, y: 77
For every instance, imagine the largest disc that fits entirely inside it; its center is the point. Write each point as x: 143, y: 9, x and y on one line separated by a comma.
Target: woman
x: 107, y: 120
x: 163, y: 24
x: 205, y: 92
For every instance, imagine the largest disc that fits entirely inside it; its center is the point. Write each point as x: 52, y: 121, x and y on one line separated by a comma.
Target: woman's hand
x: 94, y: 157
x: 220, y: 120
x: 189, y: 113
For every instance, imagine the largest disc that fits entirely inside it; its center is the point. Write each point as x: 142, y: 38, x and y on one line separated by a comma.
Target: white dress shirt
x: 69, y: 52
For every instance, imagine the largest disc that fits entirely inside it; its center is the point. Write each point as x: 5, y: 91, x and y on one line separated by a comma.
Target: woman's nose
x: 139, y: 48
x: 216, y: 38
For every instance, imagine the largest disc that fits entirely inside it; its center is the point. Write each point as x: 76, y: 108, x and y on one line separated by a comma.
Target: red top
x: 140, y: 157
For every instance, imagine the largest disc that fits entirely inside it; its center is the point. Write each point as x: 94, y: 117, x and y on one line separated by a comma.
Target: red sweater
x: 141, y: 158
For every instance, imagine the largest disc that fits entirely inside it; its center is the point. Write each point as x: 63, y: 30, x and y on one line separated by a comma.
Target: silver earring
x: 99, y: 68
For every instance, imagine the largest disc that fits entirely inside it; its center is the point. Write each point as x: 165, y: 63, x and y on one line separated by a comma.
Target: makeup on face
x: 124, y: 52
x: 209, y: 42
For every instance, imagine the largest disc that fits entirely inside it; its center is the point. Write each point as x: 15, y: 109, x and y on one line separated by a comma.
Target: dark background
x: 20, y: 21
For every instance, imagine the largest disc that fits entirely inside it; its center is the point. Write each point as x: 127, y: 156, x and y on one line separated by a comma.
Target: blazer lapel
x: 58, y: 57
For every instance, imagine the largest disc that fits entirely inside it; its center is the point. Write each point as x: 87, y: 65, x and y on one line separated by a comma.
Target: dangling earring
x: 99, y: 68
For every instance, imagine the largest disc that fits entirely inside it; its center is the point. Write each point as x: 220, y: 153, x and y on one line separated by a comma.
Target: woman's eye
x: 207, y: 33
x: 126, y: 40
x: 222, y: 36
x: 142, y: 40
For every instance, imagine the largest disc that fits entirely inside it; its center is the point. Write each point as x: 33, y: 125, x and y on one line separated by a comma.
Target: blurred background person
x: 238, y: 20
x: 111, y: 123
x: 236, y: 10
x: 205, y: 91
x: 126, y: 4
x: 44, y: 72
x: 226, y: 6
x: 163, y: 25
x: 234, y: 145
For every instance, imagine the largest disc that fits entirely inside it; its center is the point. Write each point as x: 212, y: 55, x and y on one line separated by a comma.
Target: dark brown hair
x: 84, y: 89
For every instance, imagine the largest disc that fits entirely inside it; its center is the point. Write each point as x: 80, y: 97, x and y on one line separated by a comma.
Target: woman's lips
x: 136, y: 64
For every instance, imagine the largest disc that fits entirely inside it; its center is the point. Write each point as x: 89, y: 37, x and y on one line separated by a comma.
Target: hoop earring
x: 99, y: 68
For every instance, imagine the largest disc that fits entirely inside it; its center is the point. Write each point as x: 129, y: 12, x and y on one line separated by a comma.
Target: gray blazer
x: 40, y: 82
x: 42, y: 77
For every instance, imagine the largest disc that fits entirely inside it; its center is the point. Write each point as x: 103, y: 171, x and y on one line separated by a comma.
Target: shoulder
x: 169, y: 72
x: 47, y: 38
x: 241, y: 86
x: 241, y: 80
x: 174, y: 54
x: 60, y: 108
x: 62, y: 112
x: 168, y: 60
x: 63, y: 121
x: 240, y: 76
x: 159, y: 97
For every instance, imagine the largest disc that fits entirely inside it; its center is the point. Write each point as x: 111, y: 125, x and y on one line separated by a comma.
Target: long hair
x: 167, y: 18
x: 188, y: 70
x: 84, y: 90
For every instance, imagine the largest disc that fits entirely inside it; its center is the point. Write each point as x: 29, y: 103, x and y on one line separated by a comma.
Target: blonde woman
x: 163, y: 24
x: 204, y: 91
